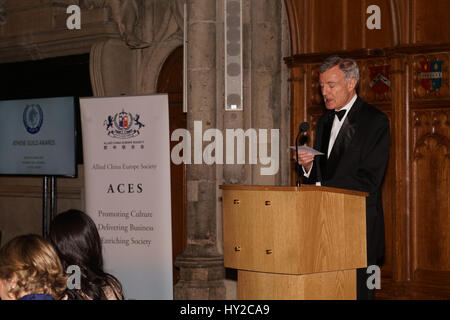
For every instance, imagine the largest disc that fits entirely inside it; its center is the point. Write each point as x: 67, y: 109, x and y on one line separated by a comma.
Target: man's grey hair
x: 348, y: 66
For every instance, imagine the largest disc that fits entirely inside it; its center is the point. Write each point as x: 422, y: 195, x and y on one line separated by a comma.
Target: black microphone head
x: 303, y: 127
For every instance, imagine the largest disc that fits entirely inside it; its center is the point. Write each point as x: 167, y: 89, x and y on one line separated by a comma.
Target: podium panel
x: 294, y: 237
x: 336, y: 285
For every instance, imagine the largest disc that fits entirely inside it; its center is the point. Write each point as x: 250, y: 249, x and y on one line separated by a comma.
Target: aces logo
x: 33, y: 118
x: 123, y: 125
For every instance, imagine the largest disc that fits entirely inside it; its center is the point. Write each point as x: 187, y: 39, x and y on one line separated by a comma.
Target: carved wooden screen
x: 404, y: 70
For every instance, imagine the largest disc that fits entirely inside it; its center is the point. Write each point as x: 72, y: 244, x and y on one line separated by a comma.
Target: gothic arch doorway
x: 170, y: 81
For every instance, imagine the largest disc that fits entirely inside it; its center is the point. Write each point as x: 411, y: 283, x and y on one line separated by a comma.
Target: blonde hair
x: 35, y: 264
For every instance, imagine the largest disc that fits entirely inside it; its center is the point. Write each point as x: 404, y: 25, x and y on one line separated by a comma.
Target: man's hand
x: 305, y: 159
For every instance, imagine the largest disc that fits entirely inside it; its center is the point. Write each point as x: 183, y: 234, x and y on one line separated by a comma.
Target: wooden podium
x: 294, y: 242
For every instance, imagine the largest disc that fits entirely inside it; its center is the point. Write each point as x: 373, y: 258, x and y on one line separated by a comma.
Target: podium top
x: 291, y: 188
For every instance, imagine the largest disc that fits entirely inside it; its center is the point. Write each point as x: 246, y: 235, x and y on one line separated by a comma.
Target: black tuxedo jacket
x: 357, y: 161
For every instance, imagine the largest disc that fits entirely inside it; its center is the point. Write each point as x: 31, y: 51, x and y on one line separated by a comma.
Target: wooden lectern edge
x: 296, y: 273
x: 291, y: 188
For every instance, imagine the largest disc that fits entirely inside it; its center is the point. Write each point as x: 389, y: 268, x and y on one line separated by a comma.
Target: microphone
x: 302, y: 128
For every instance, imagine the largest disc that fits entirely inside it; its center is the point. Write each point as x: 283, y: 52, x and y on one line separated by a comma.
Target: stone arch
x: 148, y: 77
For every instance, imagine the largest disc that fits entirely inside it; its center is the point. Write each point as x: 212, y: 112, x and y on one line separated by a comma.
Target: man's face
x: 335, y: 91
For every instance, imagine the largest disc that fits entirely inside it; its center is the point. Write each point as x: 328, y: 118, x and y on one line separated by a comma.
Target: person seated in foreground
x: 77, y: 242
x: 30, y: 270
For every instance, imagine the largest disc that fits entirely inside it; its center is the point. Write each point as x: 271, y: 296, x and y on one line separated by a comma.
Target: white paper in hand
x: 306, y: 148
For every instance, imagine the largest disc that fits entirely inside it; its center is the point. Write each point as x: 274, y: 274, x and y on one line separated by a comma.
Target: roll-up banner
x: 127, y: 181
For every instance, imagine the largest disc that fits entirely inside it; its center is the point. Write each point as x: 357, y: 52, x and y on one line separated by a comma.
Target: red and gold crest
x: 379, y: 79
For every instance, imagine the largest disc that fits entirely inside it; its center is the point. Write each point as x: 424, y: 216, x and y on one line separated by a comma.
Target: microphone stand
x: 296, y: 157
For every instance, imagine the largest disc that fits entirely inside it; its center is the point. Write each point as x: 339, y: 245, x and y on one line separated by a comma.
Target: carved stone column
x: 201, y: 266
x: 265, y: 77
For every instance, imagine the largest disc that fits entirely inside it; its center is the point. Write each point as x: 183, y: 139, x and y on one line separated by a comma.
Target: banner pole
x: 52, y: 197
x: 44, y: 206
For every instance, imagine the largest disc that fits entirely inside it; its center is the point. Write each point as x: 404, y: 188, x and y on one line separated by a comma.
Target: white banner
x: 127, y: 180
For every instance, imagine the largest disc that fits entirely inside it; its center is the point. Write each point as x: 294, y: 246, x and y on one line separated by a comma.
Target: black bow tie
x: 340, y: 114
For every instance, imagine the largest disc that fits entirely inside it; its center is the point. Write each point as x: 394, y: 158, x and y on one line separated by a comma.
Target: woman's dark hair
x: 77, y: 242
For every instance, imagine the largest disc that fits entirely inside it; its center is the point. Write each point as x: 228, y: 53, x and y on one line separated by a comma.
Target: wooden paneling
x: 378, y: 38
x: 430, y: 176
x: 329, y: 25
x: 430, y: 21
x: 429, y: 143
x: 327, y: 29
x: 413, y: 50
x: 339, y: 285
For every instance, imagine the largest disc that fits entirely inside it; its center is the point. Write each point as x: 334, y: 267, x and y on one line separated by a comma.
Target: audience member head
x: 30, y: 265
x: 77, y: 242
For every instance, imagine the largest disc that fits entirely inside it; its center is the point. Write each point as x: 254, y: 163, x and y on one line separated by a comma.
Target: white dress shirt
x: 337, y: 124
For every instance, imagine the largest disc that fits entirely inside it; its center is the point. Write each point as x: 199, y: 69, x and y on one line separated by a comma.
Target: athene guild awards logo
x: 33, y: 118
x: 123, y: 125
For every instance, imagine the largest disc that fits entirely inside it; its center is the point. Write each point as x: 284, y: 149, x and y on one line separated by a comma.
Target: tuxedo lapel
x: 328, y: 123
x: 343, y: 139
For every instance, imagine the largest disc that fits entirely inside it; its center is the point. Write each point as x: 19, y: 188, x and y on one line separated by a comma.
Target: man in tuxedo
x: 354, y: 137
